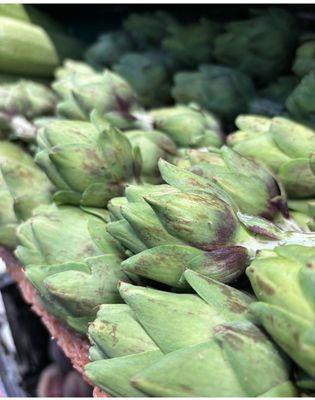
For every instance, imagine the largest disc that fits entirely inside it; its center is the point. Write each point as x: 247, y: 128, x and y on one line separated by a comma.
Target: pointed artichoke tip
x: 125, y: 288
x: 162, y: 162
x: 190, y: 274
x: 126, y: 265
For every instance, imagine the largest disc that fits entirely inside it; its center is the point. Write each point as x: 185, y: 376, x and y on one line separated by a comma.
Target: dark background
x: 86, y: 21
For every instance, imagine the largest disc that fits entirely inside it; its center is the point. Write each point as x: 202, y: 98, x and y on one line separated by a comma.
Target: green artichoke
x: 149, y: 76
x: 23, y: 186
x: 191, y: 45
x: 304, y: 61
x: 222, y: 90
x: 151, y: 145
x: 284, y: 146
x: 88, y: 166
x: 189, y: 223
x: 72, y: 261
x: 261, y: 46
x: 20, y: 103
x: 148, y: 29
x: 81, y: 89
x: 178, y: 345
x: 284, y: 282
x: 188, y: 126
x: 108, y: 49
x: 237, y: 176
x: 300, y: 103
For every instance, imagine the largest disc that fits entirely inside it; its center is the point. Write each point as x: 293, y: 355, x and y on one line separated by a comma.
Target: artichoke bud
x: 173, y: 313
x: 304, y: 61
x: 88, y: 167
x: 300, y: 103
x: 147, y: 225
x: 81, y: 92
x: 80, y: 292
x: 221, y: 90
x: 188, y: 126
x: 23, y: 187
x: 237, y: 176
x: 73, y: 291
x: 179, y: 212
x: 152, y: 146
x: 114, y: 206
x: 108, y: 49
x: 262, y: 59
x: 276, y: 146
x: 20, y: 103
x: 287, y: 318
x: 206, y: 332
x: 55, y: 235
x: 190, y: 45
x: 128, y: 338
x: 148, y: 73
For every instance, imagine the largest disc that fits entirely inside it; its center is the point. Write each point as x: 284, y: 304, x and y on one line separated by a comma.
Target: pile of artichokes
x: 160, y: 195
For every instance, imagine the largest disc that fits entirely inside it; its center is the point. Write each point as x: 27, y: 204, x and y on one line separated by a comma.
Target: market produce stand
x: 75, y: 347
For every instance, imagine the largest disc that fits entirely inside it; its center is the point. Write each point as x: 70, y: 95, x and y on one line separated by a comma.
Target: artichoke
x: 237, y: 176
x: 23, y: 186
x: 72, y: 261
x: 148, y: 29
x: 189, y: 223
x: 287, y: 315
x: 149, y: 76
x: 191, y: 45
x: 28, y: 49
x: 300, y: 103
x: 222, y: 90
x: 284, y: 146
x: 304, y: 61
x: 20, y: 103
x: 152, y: 145
x: 81, y: 89
x: 88, y: 166
x: 108, y: 49
x: 178, y: 345
x: 188, y: 126
x: 261, y: 46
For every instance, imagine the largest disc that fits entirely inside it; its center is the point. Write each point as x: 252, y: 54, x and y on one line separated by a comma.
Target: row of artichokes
x: 136, y: 226
x: 263, y: 63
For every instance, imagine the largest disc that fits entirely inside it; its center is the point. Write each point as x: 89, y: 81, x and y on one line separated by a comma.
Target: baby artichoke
x: 72, y: 261
x: 286, y: 147
x: 288, y: 316
x: 222, y: 90
x: 23, y: 187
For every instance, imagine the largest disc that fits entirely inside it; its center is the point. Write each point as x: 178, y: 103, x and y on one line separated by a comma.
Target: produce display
x: 158, y: 188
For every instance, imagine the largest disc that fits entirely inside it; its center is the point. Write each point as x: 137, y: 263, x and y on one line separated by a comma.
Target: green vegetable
x: 179, y: 345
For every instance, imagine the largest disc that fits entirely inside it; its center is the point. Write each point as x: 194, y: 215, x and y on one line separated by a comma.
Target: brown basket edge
x: 73, y: 345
